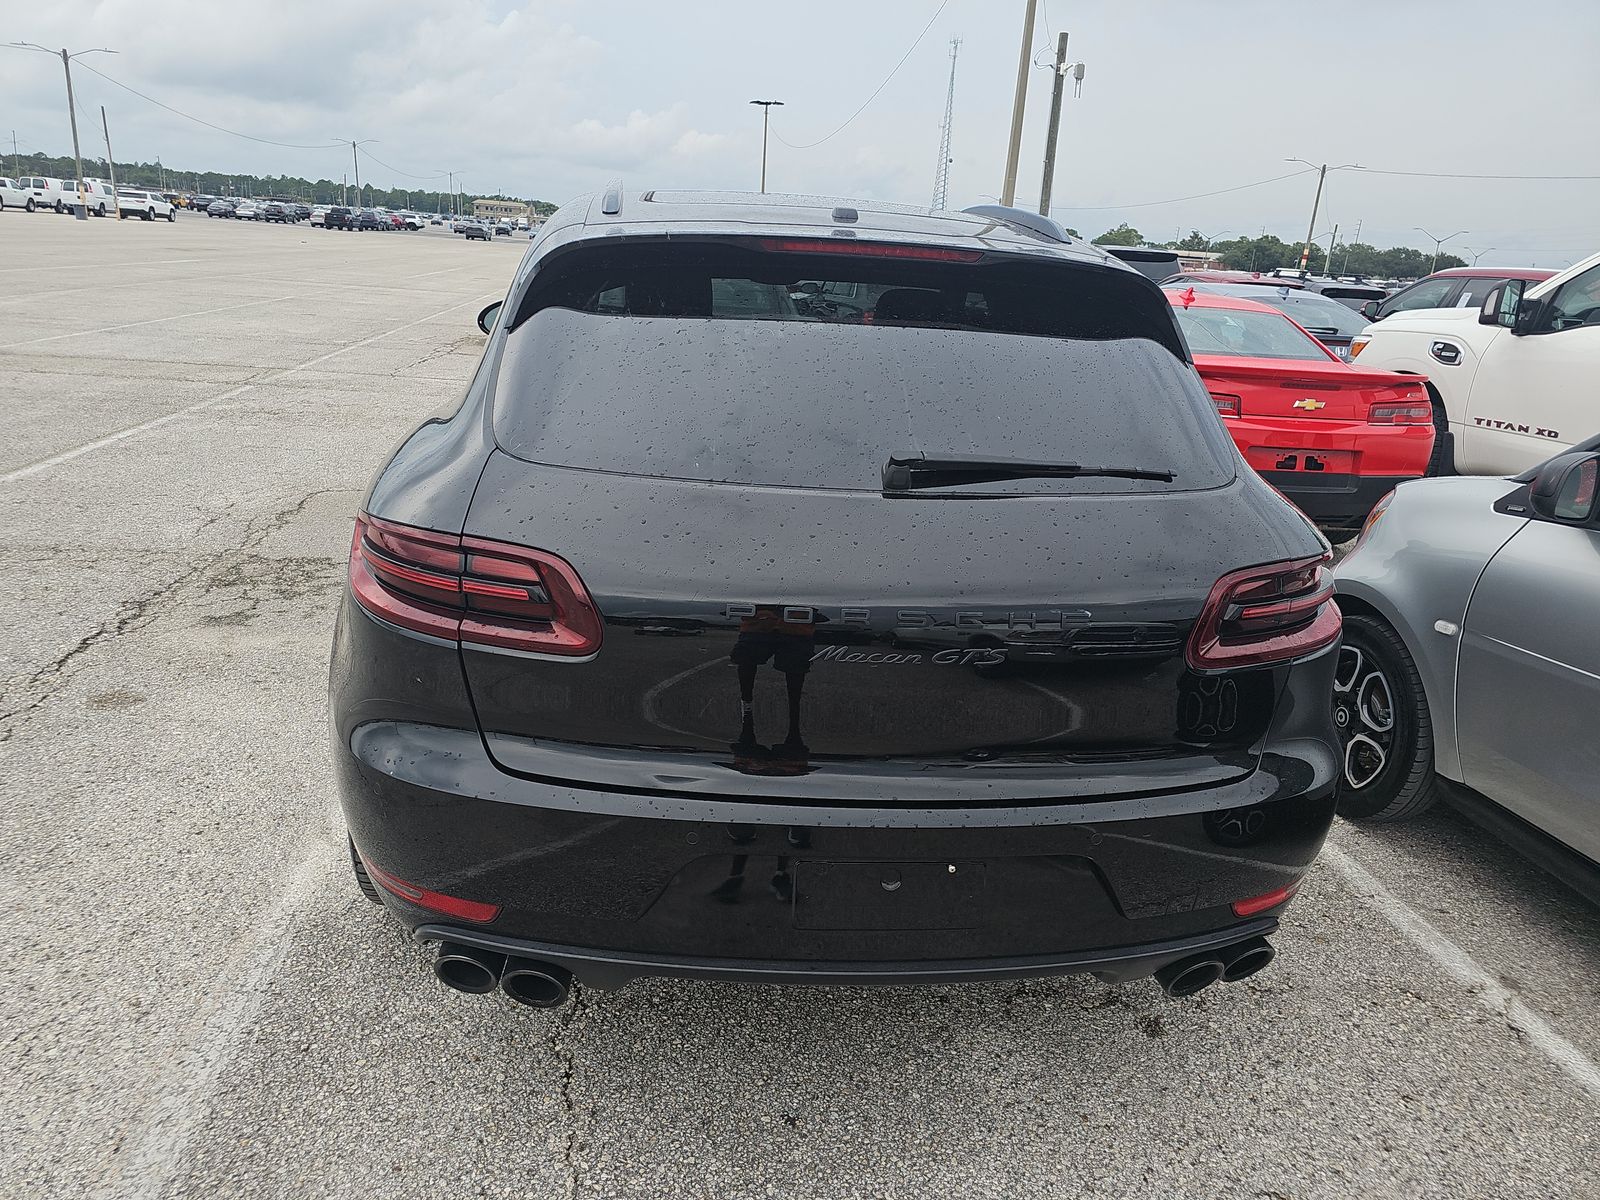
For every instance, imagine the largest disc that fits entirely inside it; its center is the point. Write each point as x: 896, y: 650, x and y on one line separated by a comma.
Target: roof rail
x: 611, y: 202
x: 1021, y: 218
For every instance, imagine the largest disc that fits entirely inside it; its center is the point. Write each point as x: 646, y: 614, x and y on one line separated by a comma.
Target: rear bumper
x: 605, y: 970
x: 615, y: 886
x: 1341, y: 501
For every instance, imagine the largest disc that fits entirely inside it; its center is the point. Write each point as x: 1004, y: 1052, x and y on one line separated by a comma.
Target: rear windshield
x: 824, y: 404
x: 1317, y: 313
x: 1243, y: 334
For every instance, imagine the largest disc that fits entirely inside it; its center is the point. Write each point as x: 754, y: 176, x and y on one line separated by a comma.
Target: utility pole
x: 1305, y: 252
x: 1019, y: 104
x: 941, y: 175
x: 82, y: 211
x: 110, y: 161
x: 1047, y: 188
x: 15, y: 169
x: 1056, y: 88
x: 357, y: 161
x: 766, y: 113
x: 344, y: 191
x: 1327, y: 267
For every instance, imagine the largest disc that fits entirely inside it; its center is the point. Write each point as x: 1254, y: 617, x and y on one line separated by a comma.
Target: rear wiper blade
x: 913, y: 472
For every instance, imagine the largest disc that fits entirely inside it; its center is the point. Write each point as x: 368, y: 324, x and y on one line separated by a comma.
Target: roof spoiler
x: 1021, y: 218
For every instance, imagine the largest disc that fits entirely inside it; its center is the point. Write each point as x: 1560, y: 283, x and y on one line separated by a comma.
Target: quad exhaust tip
x: 1228, y: 965
x: 468, y: 968
x: 536, y: 984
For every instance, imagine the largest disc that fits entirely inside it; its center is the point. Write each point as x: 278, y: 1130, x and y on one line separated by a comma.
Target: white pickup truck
x: 1511, y: 383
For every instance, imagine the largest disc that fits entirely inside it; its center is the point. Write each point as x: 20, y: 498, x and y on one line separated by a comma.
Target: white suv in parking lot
x: 147, y: 206
x: 1512, y: 382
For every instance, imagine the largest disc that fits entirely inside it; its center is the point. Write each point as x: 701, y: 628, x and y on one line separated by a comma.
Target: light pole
x: 356, y: 161
x: 1476, y: 254
x: 1322, y: 174
x: 766, y: 114
x: 1437, y: 242
x: 82, y: 209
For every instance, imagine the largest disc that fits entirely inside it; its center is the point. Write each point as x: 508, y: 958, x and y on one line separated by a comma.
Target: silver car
x: 1471, y: 658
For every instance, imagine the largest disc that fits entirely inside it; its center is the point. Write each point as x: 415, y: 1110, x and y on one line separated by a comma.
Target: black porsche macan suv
x: 833, y: 594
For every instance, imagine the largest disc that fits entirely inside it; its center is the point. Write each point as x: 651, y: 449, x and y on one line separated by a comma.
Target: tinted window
x: 1429, y: 293
x: 1317, y: 313
x: 1243, y: 334
x: 1576, y: 302
x: 719, y: 279
x: 823, y: 404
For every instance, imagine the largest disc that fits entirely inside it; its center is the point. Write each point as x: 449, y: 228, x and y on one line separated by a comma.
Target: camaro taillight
x: 1227, y: 405
x: 1267, y: 614
x: 1407, y: 412
x: 472, y: 590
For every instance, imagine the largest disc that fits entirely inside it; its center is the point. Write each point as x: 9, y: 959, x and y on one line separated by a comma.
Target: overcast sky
x: 553, y: 98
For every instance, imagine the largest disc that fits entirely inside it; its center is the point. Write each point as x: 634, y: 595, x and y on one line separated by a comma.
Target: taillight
x: 1408, y: 412
x: 472, y: 590
x: 1227, y: 405
x: 1267, y: 614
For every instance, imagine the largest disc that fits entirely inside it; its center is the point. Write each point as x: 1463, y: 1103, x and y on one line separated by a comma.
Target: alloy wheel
x: 1363, y: 714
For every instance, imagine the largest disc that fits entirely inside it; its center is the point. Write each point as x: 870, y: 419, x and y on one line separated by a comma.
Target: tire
x: 29, y: 205
x: 149, y: 214
x: 363, y: 880
x: 121, y: 216
x: 1443, y: 459
x: 59, y: 208
x: 1386, y: 774
x: 101, y: 211
x: 172, y: 215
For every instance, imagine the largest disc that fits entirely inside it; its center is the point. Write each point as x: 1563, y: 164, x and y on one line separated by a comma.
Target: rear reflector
x: 1260, y: 904
x: 1267, y: 614
x: 867, y: 249
x: 1414, y: 412
x: 453, y: 906
x: 472, y: 590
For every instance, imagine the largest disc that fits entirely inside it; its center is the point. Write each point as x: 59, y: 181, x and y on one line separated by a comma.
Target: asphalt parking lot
x: 199, y: 1002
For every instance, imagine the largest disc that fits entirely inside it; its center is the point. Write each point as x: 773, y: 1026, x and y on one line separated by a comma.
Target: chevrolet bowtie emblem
x: 1309, y: 404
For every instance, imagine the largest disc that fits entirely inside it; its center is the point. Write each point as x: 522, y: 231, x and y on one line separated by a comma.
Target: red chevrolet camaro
x: 1331, y: 437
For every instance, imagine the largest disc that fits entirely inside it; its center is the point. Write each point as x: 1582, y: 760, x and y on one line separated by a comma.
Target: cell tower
x: 941, y: 176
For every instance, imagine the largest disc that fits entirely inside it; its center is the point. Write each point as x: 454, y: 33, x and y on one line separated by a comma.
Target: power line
x: 875, y: 91
x: 398, y: 171
x: 208, y: 124
x: 1447, y: 175
x: 1182, y: 199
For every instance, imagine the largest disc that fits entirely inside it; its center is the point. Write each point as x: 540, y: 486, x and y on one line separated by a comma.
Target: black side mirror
x: 1565, y: 489
x: 1369, y: 310
x: 490, y: 316
x: 1501, y: 303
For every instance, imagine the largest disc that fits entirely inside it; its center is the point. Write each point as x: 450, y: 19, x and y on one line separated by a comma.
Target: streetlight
x: 82, y: 210
x: 766, y: 114
x: 1476, y: 254
x: 1437, y: 242
x: 1322, y: 174
x: 357, y: 161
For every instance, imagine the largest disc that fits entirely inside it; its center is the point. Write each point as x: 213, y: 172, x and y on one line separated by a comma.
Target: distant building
x: 495, y: 210
x: 1198, y: 260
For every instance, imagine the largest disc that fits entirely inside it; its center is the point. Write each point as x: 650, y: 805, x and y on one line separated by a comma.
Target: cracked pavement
x: 202, y: 1005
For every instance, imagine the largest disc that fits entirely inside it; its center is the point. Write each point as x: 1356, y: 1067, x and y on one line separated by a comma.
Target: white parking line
x: 55, y: 460
x: 158, y: 1146
x: 100, y: 265
x: 199, y: 312
x: 1465, y: 970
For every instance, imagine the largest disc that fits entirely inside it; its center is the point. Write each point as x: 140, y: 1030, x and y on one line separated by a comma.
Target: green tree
x: 1122, y: 235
